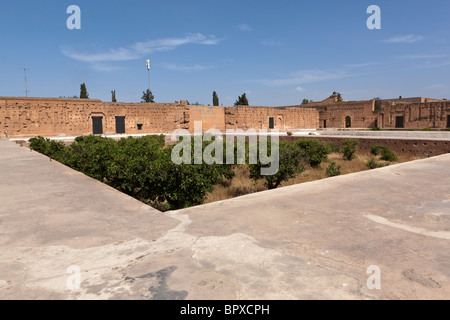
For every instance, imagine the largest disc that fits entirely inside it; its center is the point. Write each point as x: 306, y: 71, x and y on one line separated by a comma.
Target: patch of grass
x: 239, y: 186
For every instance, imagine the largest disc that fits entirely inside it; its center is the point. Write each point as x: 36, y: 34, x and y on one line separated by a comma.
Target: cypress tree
x: 215, y: 99
x: 113, y: 94
x: 83, y: 92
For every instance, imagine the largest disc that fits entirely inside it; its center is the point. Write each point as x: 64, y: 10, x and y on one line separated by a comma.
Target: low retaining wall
x: 414, y: 147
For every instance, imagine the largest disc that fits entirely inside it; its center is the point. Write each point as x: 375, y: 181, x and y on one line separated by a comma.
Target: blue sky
x: 278, y: 52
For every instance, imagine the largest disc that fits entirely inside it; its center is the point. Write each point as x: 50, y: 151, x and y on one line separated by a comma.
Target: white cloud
x: 437, y: 86
x: 429, y: 64
x: 140, y: 49
x: 244, y: 27
x: 176, y: 67
x: 271, y: 43
x: 106, y: 68
x: 361, y: 65
x: 411, y: 38
x: 303, y: 77
x: 299, y: 89
x: 422, y: 56
x: 228, y: 60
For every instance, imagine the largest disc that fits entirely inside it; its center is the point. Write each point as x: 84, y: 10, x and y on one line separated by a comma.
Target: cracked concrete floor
x: 310, y: 241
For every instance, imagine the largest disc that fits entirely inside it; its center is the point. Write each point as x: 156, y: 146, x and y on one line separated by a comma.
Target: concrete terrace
x: 310, y: 241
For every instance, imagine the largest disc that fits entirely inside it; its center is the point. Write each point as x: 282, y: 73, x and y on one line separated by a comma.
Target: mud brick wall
x: 250, y: 117
x: 416, y: 115
x: 27, y: 117
x: 361, y: 113
x: 211, y: 117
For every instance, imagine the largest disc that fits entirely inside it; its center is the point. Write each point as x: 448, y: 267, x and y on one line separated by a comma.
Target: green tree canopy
x: 242, y: 100
x: 140, y: 167
x: 215, y: 99
x: 83, y: 92
x: 291, y: 163
x: 147, y: 96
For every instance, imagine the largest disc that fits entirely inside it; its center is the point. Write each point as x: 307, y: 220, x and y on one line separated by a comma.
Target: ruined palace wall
x: 26, y: 117
x: 211, y: 117
x: 29, y: 117
x: 251, y: 117
x: 416, y: 115
x: 361, y: 113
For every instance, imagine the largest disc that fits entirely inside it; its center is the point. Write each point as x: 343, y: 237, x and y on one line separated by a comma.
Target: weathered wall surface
x: 25, y: 117
x: 249, y: 117
x: 65, y: 117
x: 361, y: 114
x: 211, y: 117
x: 416, y: 115
x: 422, y: 113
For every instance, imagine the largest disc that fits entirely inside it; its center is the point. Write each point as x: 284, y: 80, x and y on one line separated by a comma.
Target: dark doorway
x: 97, y: 125
x: 271, y: 123
x: 448, y: 121
x: 400, y: 122
x: 376, y: 124
x: 120, y: 125
x: 324, y: 124
x: 348, y: 122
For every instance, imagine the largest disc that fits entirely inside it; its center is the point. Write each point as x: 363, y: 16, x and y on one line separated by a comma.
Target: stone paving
x: 66, y: 236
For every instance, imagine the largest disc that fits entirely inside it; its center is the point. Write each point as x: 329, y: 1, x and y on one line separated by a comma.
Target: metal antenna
x: 148, y: 68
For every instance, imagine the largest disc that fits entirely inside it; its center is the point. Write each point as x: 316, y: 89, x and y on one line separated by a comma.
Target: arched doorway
x: 348, y: 122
